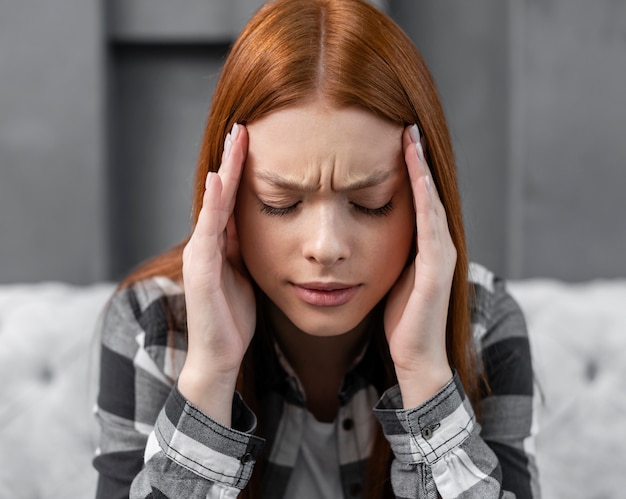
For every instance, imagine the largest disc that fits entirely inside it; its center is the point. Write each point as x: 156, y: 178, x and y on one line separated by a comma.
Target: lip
x: 325, y: 294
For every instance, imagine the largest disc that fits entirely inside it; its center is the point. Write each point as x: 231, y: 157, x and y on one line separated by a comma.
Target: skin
x: 321, y: 205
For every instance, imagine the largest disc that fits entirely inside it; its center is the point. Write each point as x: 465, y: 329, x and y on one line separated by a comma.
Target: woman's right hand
x: 220, y: 303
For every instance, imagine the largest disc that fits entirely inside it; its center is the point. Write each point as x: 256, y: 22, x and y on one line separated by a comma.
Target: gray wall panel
x: 466, y: 48
x: 535, y: 94
x: 51, y: 142
x: 574, y: 91
x: 182, y: 20
x: 160, y: 98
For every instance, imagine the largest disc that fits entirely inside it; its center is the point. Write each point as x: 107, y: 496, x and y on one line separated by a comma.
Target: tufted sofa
x: 48, y: 371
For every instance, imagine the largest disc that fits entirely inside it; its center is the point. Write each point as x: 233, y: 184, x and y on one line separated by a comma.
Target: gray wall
x: 52, y: 170
x: 101, y: 112
x: 569, y: 124
x: 535, y: 93
x: 465, y: 45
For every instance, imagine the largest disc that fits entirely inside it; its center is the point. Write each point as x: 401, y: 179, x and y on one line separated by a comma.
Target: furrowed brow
x: 283, y: 183
x: 275, y: 180
x: 378, y: 177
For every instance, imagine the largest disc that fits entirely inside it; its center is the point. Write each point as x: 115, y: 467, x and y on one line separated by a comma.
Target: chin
x: 324, y: 325
x: 321, y: 331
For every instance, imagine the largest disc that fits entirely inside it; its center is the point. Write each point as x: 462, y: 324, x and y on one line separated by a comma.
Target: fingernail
x: 414, y: 132
x: 234, y: 133
x: 228, y: 142
x: 420, y: 152
x: 429, y: 186
x: 208, y: 179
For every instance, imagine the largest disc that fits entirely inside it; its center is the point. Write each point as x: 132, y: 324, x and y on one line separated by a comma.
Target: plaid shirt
x: 157, y: 441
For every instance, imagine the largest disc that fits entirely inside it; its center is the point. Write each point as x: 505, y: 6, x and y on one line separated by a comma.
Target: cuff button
x: 427, y: 432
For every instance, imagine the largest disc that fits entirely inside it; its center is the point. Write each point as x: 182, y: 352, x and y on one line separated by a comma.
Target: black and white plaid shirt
x: 155, y: 439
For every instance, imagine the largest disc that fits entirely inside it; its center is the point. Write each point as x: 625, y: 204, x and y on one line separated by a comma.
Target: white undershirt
x: 316, y: 473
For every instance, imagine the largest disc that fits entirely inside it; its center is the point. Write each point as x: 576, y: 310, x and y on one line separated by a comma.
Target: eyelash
x: 372, y: 212
x: 375, y: 212
x: 266, y: 209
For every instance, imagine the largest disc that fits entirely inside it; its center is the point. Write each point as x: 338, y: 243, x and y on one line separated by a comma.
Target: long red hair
x: 350, y: 54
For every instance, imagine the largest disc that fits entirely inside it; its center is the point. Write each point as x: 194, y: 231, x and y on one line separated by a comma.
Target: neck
x: 320, y: 362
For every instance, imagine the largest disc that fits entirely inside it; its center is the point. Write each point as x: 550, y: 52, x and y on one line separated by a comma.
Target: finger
x: 209, y: 225
x: 233, y: 158
x: 202, y: 256
x: 232, y: 245
x: 420, y: 180
x: 432, y: 227
x: 412, y: 137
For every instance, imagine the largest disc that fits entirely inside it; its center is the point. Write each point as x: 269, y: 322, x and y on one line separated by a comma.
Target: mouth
x: 329, y: 294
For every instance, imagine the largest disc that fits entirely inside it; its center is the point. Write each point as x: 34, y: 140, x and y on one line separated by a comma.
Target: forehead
x: 314, y: 142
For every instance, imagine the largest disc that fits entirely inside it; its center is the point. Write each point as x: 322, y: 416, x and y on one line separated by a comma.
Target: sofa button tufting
x: 46, y: 374
x: 591, y: 370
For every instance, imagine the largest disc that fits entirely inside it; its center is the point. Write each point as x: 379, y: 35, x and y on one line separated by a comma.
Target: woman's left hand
x: 417, y: 306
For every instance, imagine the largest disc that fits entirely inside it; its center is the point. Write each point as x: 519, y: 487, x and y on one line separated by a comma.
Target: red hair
x: 347, y: 53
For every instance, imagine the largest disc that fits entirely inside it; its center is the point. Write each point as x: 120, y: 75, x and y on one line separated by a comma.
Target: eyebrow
x: 378, y: 177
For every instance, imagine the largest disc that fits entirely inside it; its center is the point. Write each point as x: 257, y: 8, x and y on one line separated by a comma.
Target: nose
x: 326, y: 238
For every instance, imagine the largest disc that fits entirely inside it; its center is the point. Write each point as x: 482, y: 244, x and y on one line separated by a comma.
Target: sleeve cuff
x: 193, y: 440
x: 426, y: 433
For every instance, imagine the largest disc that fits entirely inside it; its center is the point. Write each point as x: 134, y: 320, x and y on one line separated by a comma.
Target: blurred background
x: 102, y: 106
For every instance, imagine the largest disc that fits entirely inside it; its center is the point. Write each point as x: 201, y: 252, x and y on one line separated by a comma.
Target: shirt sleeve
x: 124, y: 423
x: 154, y: 443
x: 437, y: 447
x: 190, y: 455
x: 441, y: 450
x: 509, y: 419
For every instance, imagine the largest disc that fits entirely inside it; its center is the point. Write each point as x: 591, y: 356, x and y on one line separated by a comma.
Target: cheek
x: 400, y: 236
x: 248, y: 230
x: 260, y: 244
x: 394, y: 245
x: 388, y: 248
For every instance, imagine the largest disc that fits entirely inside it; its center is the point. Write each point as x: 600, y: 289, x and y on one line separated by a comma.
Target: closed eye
x: 277, y: 211
x: 375, y: 212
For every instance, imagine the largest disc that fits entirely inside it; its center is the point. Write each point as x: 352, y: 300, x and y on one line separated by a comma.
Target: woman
x: 325, y: 285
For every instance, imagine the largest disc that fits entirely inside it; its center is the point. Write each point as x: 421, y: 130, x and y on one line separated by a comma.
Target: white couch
x: 48, y: 366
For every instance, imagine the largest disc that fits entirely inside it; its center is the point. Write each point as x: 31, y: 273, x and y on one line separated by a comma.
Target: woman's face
x: 325, y: 213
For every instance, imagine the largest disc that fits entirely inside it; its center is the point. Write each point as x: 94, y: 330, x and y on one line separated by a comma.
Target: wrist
x: 211, y: 392
x: 422, y: 383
